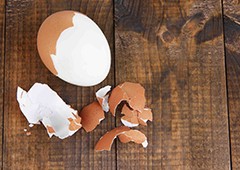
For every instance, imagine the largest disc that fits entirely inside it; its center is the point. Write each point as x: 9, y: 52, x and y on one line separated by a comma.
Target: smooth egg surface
x: 74, y: 48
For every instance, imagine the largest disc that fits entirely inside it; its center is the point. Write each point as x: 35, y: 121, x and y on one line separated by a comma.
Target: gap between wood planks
x: 225, y: 59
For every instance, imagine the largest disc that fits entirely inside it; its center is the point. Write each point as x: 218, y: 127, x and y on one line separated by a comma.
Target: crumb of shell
x: 28, y: 133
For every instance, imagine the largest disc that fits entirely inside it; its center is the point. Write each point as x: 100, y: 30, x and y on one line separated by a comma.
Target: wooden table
x: 185, y: 53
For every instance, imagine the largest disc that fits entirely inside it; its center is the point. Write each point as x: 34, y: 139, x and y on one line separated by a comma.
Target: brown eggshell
x: 141, y: 122
x: 50, y: 129
x: 136, y: 117
x: 74, y: 123
x: 116, y: 97
x: 133, y: 93
x: 132, y: 135
x: 130, y: 115
x: 145, y: 114
x: 91, y: 116
x: 106, y: 140
x: 48, y: 35
x: 136, y: 95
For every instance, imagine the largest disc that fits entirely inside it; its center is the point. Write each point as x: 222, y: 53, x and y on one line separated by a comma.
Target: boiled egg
x: 74, y: 48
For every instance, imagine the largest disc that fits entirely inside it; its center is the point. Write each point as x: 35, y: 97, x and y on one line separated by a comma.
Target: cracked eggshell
x: 74, y: 48
x: 136, y: 95
x: 134, y: 136
x: 130, y: 117
x: 132, y: 93
x: 105, y: 142
x: 91, y: 115
x: 42, y: 104
x: 116, y: 97
x: 102, y: 97
x: 125, y: 135
x: 133, y: 118
x: 145, y: 114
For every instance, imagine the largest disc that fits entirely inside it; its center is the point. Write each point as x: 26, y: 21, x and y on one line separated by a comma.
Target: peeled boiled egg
x: 74, y: 48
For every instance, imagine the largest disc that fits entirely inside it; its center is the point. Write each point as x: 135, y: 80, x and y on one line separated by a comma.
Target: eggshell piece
x: 106, y: 140
x: 132, y: 93
x: 102, y: 97
x: 42, y: 104
x: 91, y: 115
x: 136, y: 95
x: 133, y: 118
x: 145, y: 114
x: 134, y: 136
x: 74, y: 48
x: 116, y: 97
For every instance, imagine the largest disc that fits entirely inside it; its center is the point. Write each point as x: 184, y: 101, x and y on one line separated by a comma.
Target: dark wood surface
x: 175, y: 49
x: 232, y: 43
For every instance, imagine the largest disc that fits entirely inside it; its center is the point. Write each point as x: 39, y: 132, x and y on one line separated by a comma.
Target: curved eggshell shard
x: 134, y: 136
x: 136, y: 95
x: 133, y: 118
x: 130, y: 117
x: 116, y: 97
x: 133, y: 93
x: 146, y: 114
x: 142, y: 122
x: 91, y: 115
x: 102, y: 97
x: 42, y: 104
x: 106, y: 140
x: 74, y: 48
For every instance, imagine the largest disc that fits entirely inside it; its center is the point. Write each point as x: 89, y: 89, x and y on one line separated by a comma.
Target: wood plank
x: 232, y: 42
x: 24, y: 68
x: 2, y: 34
x: 175, y: 50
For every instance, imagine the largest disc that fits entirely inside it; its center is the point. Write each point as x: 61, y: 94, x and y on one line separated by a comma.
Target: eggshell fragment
x: 116, y: 97
x: 132, y: 93
x: 125, y: 135
x: 42, y: 104
x: 102, y: 97
x: 91, y: 115
x: 134, y: 136
x: 105, y: 142
x: 145, y: 115
x: 133, y: 118
x: 74, y: 48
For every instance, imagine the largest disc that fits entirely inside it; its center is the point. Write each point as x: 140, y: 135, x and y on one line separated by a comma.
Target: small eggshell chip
x: 74, y: 48
x: 125, y: 135
x: 132, y: 93
x: 91, y: 115
x: 134, y: 136
x: 130, y: 117
x: 102, y: 97
x: 133, y: 118
x: 42, y: 104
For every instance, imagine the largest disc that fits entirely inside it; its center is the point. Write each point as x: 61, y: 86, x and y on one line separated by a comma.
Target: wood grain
x: 23, y: 68
x: 2, y: 32
x: 175, y: 50
x: 232, y: 42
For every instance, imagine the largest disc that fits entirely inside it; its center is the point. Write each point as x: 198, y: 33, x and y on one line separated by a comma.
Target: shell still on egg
x: 74, y: 48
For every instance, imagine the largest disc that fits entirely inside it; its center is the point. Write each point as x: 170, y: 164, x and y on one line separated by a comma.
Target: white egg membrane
x: 82, y: 53
x: 42, y: 104
x: 102, y: 93
x: 128, y: 124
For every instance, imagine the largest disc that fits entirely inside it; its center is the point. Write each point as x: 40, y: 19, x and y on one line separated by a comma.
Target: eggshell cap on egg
x: 74, y: 48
